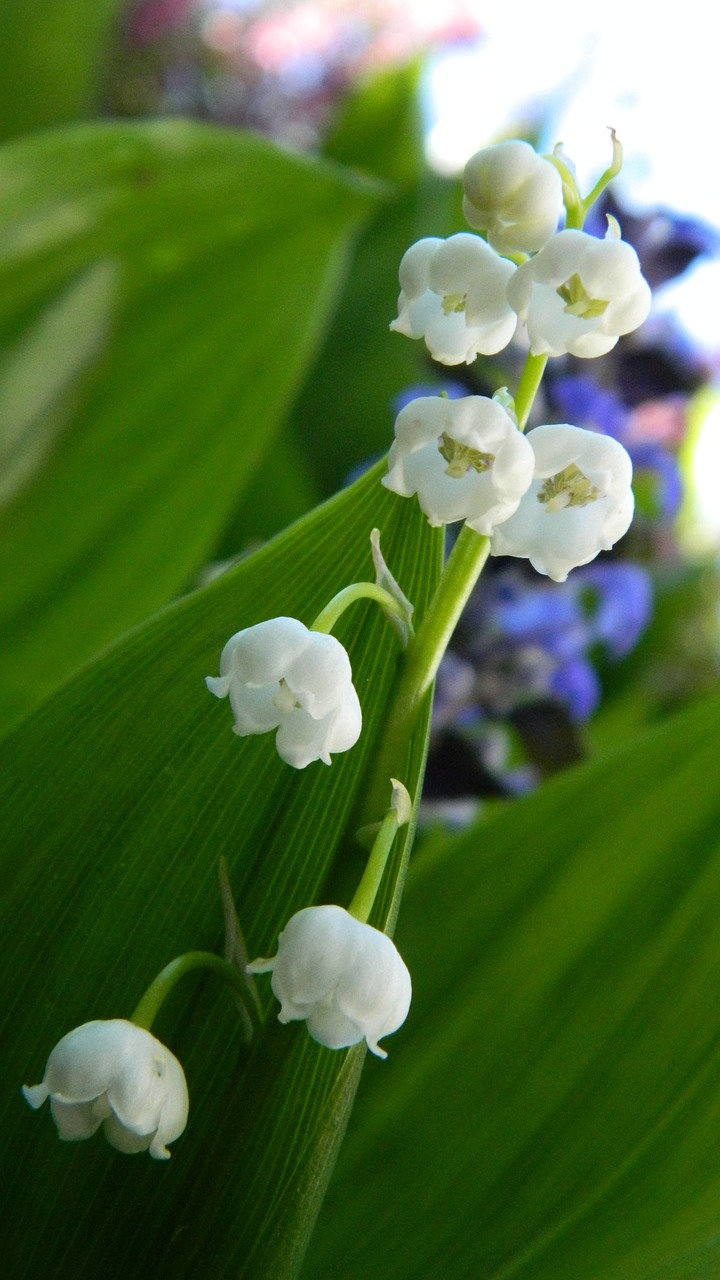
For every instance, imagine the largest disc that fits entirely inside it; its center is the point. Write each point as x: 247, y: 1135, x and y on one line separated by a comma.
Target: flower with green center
x: 514, y: 195
x: 579, y: 502
x: 453, y: 294
x: 580, y: 294
x: 115, y: 1074
x: 281, y: 675
x: 344, y: 978
x: 465, y: 459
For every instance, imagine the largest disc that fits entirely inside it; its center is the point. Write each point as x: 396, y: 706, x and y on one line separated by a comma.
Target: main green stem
x: 425, y: 651
x: 162, y: 985
x: 528, y: 387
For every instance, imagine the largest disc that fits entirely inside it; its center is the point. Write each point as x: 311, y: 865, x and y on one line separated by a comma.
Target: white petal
x: 320, y: 675
x: 75, y: 1120
x: 261, y: 654
x: 254, y: 708
x: 329, y: 1026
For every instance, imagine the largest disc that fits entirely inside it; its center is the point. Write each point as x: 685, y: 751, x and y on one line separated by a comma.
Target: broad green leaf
x: 380, y: 127
x: 556, y: 1112
x: 162, y: 289
x: 52, y: 58
x: 119, y: 795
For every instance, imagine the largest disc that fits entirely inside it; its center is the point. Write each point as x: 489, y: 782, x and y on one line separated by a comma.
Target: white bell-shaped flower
x: 346, y: 979
x: 454, y: 295
x: 580, y: 294
x: 115, y: 1074
x: 280, y: 675
x: 514, y: 195
x: 579, y: 503
x: 465, y: 459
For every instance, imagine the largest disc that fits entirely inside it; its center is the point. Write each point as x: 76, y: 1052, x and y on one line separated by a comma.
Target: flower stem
x: 528, y: 386
x: 611, y: 172
x: 161, y: 986
x: 328, y: 616
x: 397, y: 816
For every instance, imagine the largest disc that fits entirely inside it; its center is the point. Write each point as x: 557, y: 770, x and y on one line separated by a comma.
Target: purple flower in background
x: 528, y: 614
x: 621, y: 603
x: 578, y: 398
x: 522, y: 640
x: 666, y: 243
x: 575, y: 683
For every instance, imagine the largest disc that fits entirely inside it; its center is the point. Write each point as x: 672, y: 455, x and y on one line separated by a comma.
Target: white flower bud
x: 514, y: 195
x: 580, y: 294
x: 280, y: 675
x: 579, y: 503
x: 117, y: 1075
x: 453, y: 294
x: 346, y: 979
x: 465, y: 459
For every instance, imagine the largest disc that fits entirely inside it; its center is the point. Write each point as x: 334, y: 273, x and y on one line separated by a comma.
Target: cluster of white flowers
x: 562, y: 494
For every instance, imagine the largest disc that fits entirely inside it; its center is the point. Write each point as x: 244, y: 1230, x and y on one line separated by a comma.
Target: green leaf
x: 556, y: 1111
x: 51, y: 60
x: 380, y: 128
x: 119, y: 796
x: 162, y: 289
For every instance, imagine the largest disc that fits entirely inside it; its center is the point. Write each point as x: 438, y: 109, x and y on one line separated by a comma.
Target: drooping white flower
x: 280, y: 675
x: 115, y: 1074
x: 579, y: 503
x: 465, y: 459
x: 580, y: 294
x: 514, y: 195
x: 453, y: 294
x: 346, y: 979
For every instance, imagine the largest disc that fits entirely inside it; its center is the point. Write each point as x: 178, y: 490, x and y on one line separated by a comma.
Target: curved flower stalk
x: 579, y: 294
x: 115, y: 1075
x: 579, y: 502
x: 465, y: 460
x: 281, y: 675
x: 453, y: 294
x: 514, y: 195
x: 344, y: 978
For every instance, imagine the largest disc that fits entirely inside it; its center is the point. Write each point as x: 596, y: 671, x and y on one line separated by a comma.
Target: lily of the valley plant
x: 556, y: 497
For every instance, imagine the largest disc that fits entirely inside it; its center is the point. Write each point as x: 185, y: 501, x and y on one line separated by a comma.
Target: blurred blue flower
x: 453, y: 390
x: 521, y: 640
x: 664, y: 476
x: 579, y: 400
x: 667, y: 243
x: 620, y: 606
x: 575, y: 683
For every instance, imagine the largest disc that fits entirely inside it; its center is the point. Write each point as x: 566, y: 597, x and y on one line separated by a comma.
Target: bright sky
x: 652, y: 72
